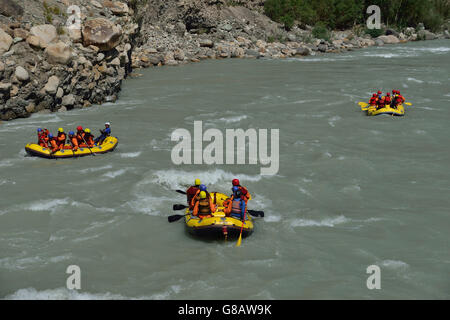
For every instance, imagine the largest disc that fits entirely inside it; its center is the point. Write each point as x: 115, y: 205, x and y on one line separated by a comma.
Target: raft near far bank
x: 36, y: 150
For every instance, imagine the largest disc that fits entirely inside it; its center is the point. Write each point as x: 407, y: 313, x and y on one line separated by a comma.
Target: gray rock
x: 100, y: 57
x: 59, y: 93
x: 58, y: 53
x: 101, y: 33
x: 302, y: 51
x: 206, y: 43
x: 68, y: 100
x: 52, y: 85
x: 252, y: 53
x: 426, y: 35
x: 21, y: 74
x: 389, y: 39
x: 10, y: 8
x: 5, y: 87
x: 392, y: 32
x: 322, y: 47
x: 5, y: 41
x: 46, y: 33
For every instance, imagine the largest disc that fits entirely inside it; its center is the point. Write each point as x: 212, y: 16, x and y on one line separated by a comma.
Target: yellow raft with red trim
x: 398, y: 111
x: 219, y: 226
x: 35, y: 150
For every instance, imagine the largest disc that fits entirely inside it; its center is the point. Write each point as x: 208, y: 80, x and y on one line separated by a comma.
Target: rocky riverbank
x: 46, y: 66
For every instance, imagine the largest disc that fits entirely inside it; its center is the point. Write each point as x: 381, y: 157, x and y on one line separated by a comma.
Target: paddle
x: 175, y: 217
x: 364, y: 106
x: 88, y: 146
x: 254, y: 213
x: 238, y: 244
x: 181, y: 191
x: 178, y: 207
x: 408, y: 103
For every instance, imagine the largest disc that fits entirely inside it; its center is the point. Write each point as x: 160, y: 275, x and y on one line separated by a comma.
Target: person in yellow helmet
x: 192, y: 191
x: 61, y: 139
x: 89, y: 138
x: 204, y: 206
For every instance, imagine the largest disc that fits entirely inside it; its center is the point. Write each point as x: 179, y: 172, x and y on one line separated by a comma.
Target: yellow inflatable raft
x: 109, y: 144
x: 218, y: 226
x: 399, y: 111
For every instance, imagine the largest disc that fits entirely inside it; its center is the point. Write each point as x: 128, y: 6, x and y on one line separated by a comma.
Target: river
x: 351, y: 191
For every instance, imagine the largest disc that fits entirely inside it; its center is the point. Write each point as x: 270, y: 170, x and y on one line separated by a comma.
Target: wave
x: 178, y: 179
x: 131, y: 154
x: 66, y: 294
x: 47, y: 205
x: 233, y: 119
x: 328, y: 222
x: 333, y: 120
x: 114, y: 174
x: 415, y: 80
x: 394, y: 264
x: 88, y: 170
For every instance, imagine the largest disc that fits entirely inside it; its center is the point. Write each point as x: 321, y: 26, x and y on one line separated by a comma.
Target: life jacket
x: 204, y: 208
x: 388, y: 100
x: 61, y: 140
x: 373, y: 101
x: 235, y: 206
x: 74, y: 143
x: 381, y: 103
x: 53, y: 145
x: 196, y: 197
x: 43, y: 138
x: 80, y: 135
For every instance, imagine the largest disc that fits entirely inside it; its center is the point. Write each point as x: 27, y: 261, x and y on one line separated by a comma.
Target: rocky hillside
x: 56, y: 57
x: 47, y: 66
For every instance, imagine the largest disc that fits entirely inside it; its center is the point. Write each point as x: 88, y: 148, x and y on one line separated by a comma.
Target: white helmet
x: 107, y: 124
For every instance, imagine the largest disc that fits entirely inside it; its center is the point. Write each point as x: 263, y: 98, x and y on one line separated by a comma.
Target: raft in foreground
x: 36, y: 150
x: 399, y: 111
x: 218, y: 226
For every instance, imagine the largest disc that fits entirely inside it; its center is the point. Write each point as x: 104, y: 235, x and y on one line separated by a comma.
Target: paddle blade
x: 181, y: 191
x: 174, y: 218
x: 238, y: 244
x: 256, y: 213
x: 178, y: 207
x: 363, y: 104
x: 408, y: 103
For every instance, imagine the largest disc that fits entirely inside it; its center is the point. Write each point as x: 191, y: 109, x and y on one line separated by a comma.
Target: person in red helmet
x: 244, y: 190
x: 379, y: 93
x: 388, y: 99
x: 80, y: 135
x: 373, y: 100
x: 381, y: 103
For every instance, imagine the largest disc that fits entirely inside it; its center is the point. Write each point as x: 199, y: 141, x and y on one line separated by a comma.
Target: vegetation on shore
x: 344, y: 14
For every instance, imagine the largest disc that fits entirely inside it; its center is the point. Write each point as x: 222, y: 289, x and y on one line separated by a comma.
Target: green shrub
x: 320, y: 31
x: 375, y: 33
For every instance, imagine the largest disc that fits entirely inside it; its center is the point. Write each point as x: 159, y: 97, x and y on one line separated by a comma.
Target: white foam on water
x: 272, y: 218
x: 328, y: 222
x: 131, y: 154
x: 2, y: 182
x: 176, y: 179
x: 19, y: 264
x: 115, y: 174
x: 304, y: 191
x: 394, y: 264
x: 233, y: 119
x: 88, y: 170
x: 148, y: 204
x: 333, y: 120
x: 415, y: 80
x: 47, y: 205
x: 61, y: 294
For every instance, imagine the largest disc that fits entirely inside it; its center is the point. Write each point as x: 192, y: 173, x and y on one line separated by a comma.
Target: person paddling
x: 88, y: 138
x: 236, y: 206
x: 61, y: 139
x: 192, y: 191
x: 73, y: 141
x: 388, y: 99
x: 236, y: 183
x: 80, y: 135
x: 53, y: 143
x: 104, y: 134
x: 203, y: 206
x: 373, y: 100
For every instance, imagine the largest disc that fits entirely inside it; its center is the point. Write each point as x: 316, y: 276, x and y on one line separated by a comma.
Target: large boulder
x: 58, y: 52
x: 101, y: 33
x: 10, y: 8
x: 116, y: 7
x: 46, y: 33
x: 5, y: 41
x: 425, y: 35
x: 389, y: 39
x: 52, y: 84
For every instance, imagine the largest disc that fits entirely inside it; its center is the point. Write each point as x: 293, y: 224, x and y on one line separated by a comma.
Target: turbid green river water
x: 351, y: 190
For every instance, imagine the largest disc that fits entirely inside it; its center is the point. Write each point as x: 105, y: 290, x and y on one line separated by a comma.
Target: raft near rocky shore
x: 46, y: 66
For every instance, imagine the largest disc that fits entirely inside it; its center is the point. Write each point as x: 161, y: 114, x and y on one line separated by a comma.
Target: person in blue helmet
x: 104, y: 134
x: 237, y: 205
x: 73, y: 141
x: 42, y: 137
